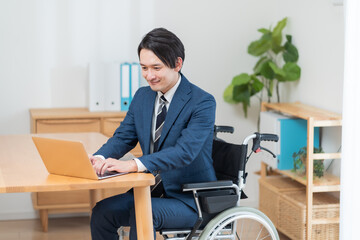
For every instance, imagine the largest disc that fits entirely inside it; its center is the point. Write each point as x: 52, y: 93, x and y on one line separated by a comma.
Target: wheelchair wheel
x: 240, y: 223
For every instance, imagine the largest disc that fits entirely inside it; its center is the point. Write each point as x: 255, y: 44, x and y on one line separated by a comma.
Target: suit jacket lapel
x: 148, y: 111
x: 181, y: 97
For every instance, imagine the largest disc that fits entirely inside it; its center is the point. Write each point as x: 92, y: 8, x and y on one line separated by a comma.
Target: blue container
x: 292, y: 134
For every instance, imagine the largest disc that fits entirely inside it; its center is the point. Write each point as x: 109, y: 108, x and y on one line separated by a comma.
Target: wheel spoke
x: 266, y: 237
x: 242, y: 228
x: 260, y: 232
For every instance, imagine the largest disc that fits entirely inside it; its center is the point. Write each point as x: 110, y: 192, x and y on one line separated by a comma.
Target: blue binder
x: 129, y: 83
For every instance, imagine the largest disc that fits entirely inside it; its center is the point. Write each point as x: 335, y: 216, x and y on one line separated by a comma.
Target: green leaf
x: 228, y: 94
x: 256, y: 86
x: 277, y: 48
x: 266, y: 70
x: 289, y: 38
x: 292, y: 71
x: 291, y: 53
x: 264, y: 30
x: 240, y: 79
x: 277, y: 36
x: 245, y: 107
x: 241, y: 93
x: 280, y: 78
x: 259, y: 65
x: 276, y: 69
x: 277, y: 32
x: 259, y: 47
x: 237, y: 94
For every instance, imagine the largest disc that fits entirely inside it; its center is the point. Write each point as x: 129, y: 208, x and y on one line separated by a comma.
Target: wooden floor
x: 59, y: 229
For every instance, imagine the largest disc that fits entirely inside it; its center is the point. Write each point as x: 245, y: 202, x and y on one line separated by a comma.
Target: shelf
x: 326, y: 221
x: 321, y: 117
x: 315, y: 117
x: 326, y: 156
x: 328, y: 183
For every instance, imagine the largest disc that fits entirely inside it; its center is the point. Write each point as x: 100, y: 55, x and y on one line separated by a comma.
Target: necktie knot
x: 162, y: 99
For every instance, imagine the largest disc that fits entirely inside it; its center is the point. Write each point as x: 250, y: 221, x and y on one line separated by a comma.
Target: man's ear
x: 178, y: 64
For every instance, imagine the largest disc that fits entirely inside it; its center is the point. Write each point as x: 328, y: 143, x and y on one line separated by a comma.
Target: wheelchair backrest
x: 226, y: 159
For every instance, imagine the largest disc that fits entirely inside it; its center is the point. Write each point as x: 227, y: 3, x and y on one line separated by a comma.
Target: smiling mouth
x: 154, y: 81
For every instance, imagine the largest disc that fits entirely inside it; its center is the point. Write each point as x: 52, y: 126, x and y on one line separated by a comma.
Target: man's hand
x: 97, y: 163
x: 111, y: 164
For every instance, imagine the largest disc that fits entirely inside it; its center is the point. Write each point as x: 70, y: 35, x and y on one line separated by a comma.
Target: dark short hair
x: 165, y: 45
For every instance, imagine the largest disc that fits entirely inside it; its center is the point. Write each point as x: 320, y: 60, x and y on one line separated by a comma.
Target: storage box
x: 270, y: 190
x: 292, y: 215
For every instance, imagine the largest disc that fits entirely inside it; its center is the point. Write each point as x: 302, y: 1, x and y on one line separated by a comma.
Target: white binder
x: 135, y: 78
x: 125, y: 80
x: 112, y: 87
x: 96, y: 87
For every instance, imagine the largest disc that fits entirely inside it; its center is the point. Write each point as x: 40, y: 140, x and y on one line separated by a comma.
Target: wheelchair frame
x: 227, y: 218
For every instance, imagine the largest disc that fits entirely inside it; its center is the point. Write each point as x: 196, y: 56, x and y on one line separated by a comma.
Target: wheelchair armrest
x: 207, y: 185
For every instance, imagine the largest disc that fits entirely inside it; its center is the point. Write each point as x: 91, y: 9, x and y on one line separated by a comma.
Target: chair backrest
x: 226, y: 160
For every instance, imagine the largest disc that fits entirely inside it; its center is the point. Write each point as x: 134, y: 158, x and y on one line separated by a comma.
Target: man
x: 173, y: 121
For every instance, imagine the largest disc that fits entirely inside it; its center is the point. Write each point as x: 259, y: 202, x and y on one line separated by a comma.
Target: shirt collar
x: 170, y: 94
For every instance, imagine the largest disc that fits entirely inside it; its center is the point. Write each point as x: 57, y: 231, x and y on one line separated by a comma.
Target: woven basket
x: 269, y: 193
x: 292, y: 215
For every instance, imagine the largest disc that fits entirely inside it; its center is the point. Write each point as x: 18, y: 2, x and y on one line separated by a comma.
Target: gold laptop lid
x: 64, y: 157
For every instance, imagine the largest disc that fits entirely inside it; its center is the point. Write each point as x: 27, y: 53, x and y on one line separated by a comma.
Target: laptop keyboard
x: 107, y: 173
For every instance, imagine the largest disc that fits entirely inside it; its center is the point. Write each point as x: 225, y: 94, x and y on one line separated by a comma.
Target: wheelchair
x: 220, y: 215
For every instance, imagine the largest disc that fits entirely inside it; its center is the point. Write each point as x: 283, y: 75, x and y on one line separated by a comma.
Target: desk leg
x: 44, y: 219
x: 95, y: 196
x: 143, y: 213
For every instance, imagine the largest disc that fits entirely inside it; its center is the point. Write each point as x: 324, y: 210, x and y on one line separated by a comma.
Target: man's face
x: 157, y: 74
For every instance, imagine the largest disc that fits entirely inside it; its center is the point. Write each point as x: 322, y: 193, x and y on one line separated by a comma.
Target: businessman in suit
x: 173, y: 121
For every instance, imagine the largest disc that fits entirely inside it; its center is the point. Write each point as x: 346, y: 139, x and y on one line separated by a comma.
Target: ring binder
x: 125, y: 81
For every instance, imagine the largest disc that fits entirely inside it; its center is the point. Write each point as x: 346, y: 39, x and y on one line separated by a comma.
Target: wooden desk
x: 72, y: 120
x: 22, y: 170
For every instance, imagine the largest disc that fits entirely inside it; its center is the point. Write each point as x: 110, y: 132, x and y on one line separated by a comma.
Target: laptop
x: 69, y: 158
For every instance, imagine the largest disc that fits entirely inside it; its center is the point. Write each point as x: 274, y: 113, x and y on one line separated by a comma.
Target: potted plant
x: 277, y: 63
x: 300, y: 162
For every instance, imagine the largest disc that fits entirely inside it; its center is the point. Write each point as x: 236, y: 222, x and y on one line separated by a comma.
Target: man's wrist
x: 100, y: 156
x: 140, y: 165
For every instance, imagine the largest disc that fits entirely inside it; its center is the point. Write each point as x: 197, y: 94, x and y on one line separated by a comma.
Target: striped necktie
x: 158, y: 189
x: 160, y: 119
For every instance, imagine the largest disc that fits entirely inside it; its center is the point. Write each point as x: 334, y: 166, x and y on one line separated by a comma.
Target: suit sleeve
x: 124, y: 138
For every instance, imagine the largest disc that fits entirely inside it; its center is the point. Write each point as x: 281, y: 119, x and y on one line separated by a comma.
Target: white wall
x: 216, y: 35
x: 45, y: 47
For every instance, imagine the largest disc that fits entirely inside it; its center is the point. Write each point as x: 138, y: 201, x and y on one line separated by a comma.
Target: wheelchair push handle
x: 259, y: 137
x: 268, y: 137
x: 223, y: 129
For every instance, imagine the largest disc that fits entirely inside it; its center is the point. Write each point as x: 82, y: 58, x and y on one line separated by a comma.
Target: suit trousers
x: 111, y: 213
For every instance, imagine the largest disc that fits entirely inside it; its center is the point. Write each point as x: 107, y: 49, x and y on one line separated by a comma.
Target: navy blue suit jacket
x: 185, y: 145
